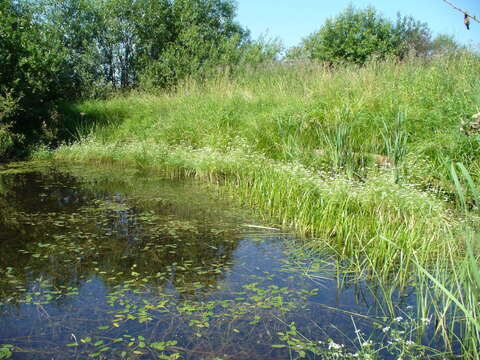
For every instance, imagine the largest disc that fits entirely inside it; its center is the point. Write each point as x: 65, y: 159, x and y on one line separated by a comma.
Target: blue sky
x: 291, y: 20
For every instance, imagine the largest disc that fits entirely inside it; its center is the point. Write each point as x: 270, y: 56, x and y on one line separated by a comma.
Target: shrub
x: 355, y: 36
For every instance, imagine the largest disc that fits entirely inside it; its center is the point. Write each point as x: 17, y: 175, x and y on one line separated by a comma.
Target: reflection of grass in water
x: 71, y: 247
x: 354, y: 217
x: 254, y: 310
x: 139, y: 309
x: 226, y: 325
x: 448, y: 301
x: 158, y: 241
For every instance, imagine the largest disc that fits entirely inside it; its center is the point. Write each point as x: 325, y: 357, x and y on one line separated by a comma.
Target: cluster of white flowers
x: 335, y: 346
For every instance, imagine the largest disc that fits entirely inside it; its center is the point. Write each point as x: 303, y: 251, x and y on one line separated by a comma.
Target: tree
x: 411, y: 36
x: 52, y: 50
x: 120, y: 43
x: 202, y: 35
x: 77, y: 26
x: 352, y: 36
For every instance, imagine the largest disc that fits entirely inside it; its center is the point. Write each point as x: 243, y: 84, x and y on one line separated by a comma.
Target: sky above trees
x: 292, y: 21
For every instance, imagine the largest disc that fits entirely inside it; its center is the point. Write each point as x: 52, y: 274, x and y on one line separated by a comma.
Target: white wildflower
x: 425, y: 321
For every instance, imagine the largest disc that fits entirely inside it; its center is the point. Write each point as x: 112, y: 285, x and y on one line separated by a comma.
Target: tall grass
x: 458, y: 278
x: 354, y: 217
x: 318, y: 135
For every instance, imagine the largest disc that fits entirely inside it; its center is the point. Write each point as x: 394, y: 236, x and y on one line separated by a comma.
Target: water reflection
x: 108, y: 263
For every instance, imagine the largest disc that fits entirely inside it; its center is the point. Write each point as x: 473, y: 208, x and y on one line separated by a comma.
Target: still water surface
x: 111, y: 264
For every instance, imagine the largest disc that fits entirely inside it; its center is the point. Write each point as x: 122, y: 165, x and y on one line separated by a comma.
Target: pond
x: 117, y: 263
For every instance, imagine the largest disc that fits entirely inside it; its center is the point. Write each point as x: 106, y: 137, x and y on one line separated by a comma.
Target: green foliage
x: 352, y: 36
x: 8, y: 107
x: 411, y: 36
x: 297, y: 127
x: 457, y: 279
x: 258, y: 133
x: 203, y: 36
x: 77, y: 26
x: 357, y: 35
x: 31, y: 73
x: 124, y: 43
x: 53, y: 50
x: 263, y: 49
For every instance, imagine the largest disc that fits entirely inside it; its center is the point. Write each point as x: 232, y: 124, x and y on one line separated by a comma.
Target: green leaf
x: 158, y: 345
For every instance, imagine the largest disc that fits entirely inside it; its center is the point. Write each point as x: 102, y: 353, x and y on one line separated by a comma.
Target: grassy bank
x: 357, y: 157
x: 409, y: 112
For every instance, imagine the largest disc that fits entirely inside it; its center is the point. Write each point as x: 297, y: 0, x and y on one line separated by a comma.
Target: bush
x: 354, y: 36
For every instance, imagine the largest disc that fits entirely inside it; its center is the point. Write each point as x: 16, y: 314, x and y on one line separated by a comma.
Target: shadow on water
x: 109, y: 263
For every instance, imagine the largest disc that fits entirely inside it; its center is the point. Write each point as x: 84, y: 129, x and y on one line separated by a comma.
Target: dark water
x: 111, y: 264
